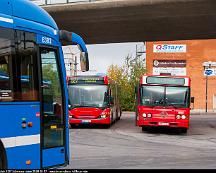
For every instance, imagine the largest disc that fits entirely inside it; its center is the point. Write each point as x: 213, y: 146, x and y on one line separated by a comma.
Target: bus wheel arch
x: 3, y: 157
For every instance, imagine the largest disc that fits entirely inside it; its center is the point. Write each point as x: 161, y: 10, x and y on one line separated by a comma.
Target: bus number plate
x: 163, y: 124
x: 86, y: 121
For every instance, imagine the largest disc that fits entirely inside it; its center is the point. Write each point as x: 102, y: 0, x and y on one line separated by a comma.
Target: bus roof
x: 24, y: 9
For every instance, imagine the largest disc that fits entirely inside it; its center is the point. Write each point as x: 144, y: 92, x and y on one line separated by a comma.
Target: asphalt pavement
x: 126, y: 146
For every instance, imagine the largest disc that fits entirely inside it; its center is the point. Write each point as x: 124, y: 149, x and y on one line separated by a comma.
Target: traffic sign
x: 210, y: 72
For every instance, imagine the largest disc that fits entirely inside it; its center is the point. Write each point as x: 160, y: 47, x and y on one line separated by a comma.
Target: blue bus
x: 34, y: 132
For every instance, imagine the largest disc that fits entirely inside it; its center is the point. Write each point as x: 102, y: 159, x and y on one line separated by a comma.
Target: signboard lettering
x: 169, y: 48
x: 169, y: 63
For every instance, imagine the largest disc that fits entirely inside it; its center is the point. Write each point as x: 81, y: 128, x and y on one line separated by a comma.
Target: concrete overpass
x: 112, y: 21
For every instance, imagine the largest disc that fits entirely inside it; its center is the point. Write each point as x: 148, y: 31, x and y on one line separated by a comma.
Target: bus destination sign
x: 92, y: 80
x: 165, y: 80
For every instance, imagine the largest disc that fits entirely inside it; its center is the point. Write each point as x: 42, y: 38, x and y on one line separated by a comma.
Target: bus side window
x: 7, y: 52
x: 26, y: 67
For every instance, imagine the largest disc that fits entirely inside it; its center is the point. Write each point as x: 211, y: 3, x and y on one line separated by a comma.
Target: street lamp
x: 138, y: 53
x: 72, y: 61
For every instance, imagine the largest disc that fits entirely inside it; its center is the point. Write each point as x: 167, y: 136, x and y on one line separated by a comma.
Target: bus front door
x: 53, y: 115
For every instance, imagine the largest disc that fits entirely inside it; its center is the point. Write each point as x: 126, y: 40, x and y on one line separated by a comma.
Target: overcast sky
x: 101, y: 56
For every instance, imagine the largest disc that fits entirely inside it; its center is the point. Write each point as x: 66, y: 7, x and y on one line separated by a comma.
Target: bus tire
x: 144, y: 128
x: 3, y: 159
x: 107, y: 126
x: 183, y: 130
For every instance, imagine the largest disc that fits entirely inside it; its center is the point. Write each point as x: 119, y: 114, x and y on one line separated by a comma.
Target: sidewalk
x: 202, y: 112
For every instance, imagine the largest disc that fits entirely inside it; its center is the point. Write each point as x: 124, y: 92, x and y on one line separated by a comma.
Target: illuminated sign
x: 165, y: 80
x: 169, y: 48
x: 86, y: 80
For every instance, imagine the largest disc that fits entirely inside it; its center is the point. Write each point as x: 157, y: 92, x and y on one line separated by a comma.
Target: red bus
x: 163, y: 101
x: 93, y: 100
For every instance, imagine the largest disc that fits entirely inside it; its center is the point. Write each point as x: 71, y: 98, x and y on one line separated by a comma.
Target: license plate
x: 86, y: 121
x: 163, y: 124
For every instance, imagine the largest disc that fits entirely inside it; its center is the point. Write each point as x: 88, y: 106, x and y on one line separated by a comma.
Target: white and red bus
x: 163, y: 101
x: 93, y: 100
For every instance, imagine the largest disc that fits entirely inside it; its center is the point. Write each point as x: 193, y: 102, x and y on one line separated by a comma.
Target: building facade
x: 193, y: 58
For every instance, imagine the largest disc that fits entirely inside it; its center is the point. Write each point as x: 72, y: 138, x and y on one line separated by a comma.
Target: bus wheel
x: 183, y: 130
x: 144, y: 128
x: 107, y: 126
x: 2, y: 159
x: 1, y: 162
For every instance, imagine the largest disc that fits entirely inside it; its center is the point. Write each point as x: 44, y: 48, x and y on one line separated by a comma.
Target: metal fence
x: 50, y: 2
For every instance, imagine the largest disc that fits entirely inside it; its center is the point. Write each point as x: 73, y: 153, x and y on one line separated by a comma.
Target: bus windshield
x: 88, y: 95
x: 178, y: 97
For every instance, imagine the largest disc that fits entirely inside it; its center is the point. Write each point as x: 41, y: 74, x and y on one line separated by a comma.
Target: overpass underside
x: 114, y: 21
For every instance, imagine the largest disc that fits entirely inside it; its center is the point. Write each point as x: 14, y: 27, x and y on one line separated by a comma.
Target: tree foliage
x: 127, y: 77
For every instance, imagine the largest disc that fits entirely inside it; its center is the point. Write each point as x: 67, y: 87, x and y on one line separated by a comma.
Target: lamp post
x: 206, y: 108
x: 138, y: 53
x: 206, y: 66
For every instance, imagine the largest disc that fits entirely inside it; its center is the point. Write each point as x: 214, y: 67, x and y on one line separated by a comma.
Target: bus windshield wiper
x: 76, y: 106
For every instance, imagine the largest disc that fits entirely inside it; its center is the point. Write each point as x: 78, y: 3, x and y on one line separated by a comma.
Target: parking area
x: 125, y: 146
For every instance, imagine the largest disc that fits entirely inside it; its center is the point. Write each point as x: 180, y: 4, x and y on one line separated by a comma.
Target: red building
x: 187, y: 57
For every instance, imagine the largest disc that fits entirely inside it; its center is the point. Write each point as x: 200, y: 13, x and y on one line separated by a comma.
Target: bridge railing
x: 51, y: 2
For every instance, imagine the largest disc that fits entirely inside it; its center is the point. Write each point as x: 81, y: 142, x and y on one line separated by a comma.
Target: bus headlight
x: 149, y: 115
x: 70, y: 115
x: 183, y: 117
x: 144, y: 115
x: 178, y: 117
x: 104, y: 114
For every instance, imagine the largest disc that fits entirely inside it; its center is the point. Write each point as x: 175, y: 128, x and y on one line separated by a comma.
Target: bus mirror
x: 192, y: 99
x: 84, y: 61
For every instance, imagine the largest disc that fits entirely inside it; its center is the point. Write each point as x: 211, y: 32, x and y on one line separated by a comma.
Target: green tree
x: 127, y: 77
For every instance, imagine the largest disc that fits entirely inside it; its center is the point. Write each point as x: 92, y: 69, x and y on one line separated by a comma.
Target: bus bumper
x: 90, y: 121
x: 161, y: 122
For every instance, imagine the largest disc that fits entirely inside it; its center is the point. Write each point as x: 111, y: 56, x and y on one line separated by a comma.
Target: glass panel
x: 177, y: 96
x: 165, y: 96
x: 16, y: 71
x: 27, y: 67
x: 152, y: 95
x: 7, y: 49
x: 88, y: 95
x: 52, y: 100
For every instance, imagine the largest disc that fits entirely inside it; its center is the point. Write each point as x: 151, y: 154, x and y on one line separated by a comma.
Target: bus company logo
x: 156, y: 63
x: 164, y: 114
x: 169, y: 48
